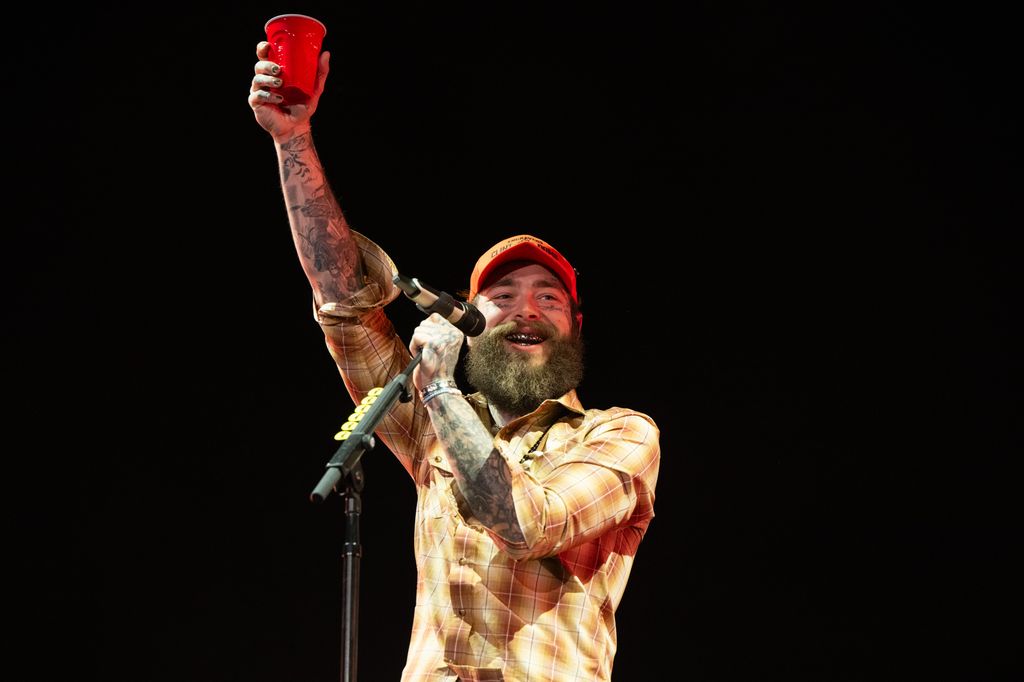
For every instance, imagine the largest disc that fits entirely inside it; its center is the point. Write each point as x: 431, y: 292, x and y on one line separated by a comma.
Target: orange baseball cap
x: 522, y: 247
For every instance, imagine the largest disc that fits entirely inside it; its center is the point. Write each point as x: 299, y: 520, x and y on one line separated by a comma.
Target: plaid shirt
x: 583, y: 482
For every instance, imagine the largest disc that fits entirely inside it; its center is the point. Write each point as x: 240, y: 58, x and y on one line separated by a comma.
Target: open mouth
x: 522, y: 339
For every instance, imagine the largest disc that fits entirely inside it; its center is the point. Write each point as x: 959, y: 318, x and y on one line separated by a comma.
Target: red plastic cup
x: 295, y: 41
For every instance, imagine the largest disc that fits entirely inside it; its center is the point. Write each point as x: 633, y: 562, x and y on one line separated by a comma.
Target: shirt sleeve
x: 369, y: 353
x: 602, y: 477
x: 379, y: 288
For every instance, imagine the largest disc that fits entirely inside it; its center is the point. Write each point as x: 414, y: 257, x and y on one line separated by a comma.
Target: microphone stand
x: 345, y: 463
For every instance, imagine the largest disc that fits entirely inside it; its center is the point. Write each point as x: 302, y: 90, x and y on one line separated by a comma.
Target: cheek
x: 561, y: 320
x: 493, y: 315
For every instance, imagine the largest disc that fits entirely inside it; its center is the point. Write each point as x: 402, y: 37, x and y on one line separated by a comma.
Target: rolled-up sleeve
x: 379, y: 288
x: 367, y: 351
x: 601, y: 478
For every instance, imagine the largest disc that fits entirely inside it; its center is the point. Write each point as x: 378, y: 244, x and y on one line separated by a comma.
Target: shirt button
x: 437, y: 458
x: 462, y: 612
x: 462, y: 560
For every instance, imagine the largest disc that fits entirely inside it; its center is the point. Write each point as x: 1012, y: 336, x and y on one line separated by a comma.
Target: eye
x: 552, y: 297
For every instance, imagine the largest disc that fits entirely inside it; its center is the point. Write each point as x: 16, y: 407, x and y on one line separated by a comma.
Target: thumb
x: 322, y: 71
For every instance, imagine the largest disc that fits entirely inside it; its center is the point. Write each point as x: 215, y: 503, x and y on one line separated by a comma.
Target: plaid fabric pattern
x: 542, y: 610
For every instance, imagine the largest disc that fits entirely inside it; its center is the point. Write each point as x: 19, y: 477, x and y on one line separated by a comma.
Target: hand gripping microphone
x: 464, y: 316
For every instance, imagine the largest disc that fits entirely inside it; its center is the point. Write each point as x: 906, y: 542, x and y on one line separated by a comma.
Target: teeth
x: 524, y: 338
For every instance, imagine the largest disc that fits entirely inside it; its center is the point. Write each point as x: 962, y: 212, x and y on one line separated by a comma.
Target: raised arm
x: 323, y: 240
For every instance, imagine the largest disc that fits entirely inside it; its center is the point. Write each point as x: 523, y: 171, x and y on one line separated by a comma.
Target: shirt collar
x: 568, y: 401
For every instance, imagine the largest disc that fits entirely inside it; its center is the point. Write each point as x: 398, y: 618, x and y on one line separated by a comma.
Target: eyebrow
x: 552, y: 283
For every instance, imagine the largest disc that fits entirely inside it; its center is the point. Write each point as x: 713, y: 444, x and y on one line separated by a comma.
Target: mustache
x: 505, y: 328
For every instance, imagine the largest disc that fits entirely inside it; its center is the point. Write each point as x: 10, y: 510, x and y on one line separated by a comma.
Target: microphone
x: 465, y: 316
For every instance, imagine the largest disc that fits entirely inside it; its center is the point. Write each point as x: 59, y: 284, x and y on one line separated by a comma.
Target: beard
x: 509, y: 381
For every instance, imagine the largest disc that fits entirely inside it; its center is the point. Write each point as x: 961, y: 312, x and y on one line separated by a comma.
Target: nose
x: 528, y: 308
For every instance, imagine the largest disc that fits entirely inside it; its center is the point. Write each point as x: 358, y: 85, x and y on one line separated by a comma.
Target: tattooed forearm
x: 293, y: 165
x: 325, y: 244
x: 483, y: 474
x: 490, y: 496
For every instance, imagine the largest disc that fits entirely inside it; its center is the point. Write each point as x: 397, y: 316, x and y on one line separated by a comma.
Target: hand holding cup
x: 295, y: 43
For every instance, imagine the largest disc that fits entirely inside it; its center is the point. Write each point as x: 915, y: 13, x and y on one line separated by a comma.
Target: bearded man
x: 530, y: 507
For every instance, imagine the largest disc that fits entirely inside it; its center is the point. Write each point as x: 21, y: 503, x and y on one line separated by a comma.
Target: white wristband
x: 430, y: 395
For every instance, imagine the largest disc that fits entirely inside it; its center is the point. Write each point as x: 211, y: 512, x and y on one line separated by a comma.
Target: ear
x: 578, y: 326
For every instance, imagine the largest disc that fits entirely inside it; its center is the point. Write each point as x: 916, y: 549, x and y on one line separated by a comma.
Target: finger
x: 263, y: 49
x: 258, y: 98
x: 262, y: 82
x: 415, y: 344
x: 264, y: 67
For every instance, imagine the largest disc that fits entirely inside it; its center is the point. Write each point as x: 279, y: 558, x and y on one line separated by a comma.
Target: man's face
x: 533, y: 298
x: 528, y: 351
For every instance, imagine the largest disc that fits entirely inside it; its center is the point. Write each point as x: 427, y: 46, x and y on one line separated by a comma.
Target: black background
x: 797, y: 228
